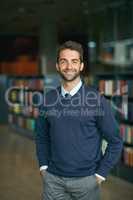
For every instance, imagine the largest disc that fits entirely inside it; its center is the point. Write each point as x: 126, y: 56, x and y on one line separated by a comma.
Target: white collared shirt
x: 73, y: 91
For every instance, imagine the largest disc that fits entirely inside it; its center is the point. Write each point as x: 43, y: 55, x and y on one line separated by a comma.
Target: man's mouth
x: 68, y: 72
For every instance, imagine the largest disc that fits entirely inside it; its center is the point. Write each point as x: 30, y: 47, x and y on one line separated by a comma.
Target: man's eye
x: 62, y: 61
x: 75, y: 61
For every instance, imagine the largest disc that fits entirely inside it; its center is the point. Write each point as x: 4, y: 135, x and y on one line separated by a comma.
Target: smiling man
x: 69, y: 147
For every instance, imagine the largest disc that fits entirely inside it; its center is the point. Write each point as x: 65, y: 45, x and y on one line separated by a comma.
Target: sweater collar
x: 73, y: 91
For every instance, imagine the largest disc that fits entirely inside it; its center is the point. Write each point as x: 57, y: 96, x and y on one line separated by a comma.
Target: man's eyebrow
x: 73, y: 59
x: 62, y: 58
x: 76, y: 59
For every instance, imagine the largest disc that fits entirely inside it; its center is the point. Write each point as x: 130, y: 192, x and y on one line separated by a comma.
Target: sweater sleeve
x: 42, y: 139
x: 109, y: 129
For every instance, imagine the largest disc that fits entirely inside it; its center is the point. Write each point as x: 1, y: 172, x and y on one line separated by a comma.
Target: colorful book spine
x: 115, y: 87
x: 126, y: 132
x: 128, y: 156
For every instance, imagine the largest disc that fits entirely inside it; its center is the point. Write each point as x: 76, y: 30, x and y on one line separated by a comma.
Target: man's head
x: 70, y: 60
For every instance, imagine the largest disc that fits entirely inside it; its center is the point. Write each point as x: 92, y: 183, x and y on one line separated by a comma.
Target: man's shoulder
x: 50, y: 98
x: 92, y: 91
x: 53, y: 92
x: 91, y: 88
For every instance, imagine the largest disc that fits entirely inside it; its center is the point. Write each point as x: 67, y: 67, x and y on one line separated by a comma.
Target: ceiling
x: 27, y: 16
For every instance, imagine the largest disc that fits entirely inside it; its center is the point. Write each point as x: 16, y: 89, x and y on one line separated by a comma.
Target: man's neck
x: 69, y: 85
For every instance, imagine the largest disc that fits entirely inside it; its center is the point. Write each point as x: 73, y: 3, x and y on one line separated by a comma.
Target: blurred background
x: 30, y: 32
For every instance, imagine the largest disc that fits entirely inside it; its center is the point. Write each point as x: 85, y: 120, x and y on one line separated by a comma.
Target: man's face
x: 69, y: 65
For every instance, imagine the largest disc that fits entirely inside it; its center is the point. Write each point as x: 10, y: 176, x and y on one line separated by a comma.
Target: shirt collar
x: 73, y: 91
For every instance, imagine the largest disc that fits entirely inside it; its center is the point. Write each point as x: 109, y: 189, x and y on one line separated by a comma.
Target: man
x: 72, y: 124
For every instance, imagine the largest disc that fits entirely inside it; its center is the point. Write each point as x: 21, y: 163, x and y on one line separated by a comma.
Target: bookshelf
x: 23, y: 97
x: 118, y: 89
x: 3, y: 105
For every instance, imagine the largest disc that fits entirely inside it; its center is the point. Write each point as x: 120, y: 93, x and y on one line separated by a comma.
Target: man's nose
x: 69, y: 65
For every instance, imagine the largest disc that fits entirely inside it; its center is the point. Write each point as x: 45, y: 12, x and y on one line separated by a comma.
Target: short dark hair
x: 72, y: 45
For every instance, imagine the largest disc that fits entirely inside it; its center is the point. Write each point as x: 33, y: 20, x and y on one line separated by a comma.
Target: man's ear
x: 82, y: 66
x: 57, y: 66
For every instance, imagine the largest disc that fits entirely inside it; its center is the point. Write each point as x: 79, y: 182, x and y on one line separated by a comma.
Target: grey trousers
x: 62, y: 188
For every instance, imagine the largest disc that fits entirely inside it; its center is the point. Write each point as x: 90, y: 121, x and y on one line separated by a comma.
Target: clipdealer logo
x: 90, y: 99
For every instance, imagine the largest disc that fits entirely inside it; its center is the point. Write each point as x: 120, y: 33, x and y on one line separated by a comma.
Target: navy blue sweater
x: 69, y: 133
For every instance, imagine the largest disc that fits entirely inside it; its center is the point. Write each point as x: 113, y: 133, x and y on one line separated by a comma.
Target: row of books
x: 25, y: 97
x: 31, y: 83
x: 25, y: 123
x: 126, y: 132
x: 128, y: 156
x: 116, y: 87
x: 123, y: 109
x: 28, y: 111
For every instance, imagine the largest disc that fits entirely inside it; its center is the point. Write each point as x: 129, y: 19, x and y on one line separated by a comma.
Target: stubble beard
x: 71, y: 77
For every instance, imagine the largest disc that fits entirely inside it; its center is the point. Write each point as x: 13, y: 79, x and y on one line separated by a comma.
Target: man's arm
x: 109, y: 129
x: 42, y: 138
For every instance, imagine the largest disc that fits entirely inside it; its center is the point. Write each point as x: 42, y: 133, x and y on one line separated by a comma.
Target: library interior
x: 30, y: 34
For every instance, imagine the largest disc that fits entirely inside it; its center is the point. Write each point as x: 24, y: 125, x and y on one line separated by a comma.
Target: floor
x: 19, y: 174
